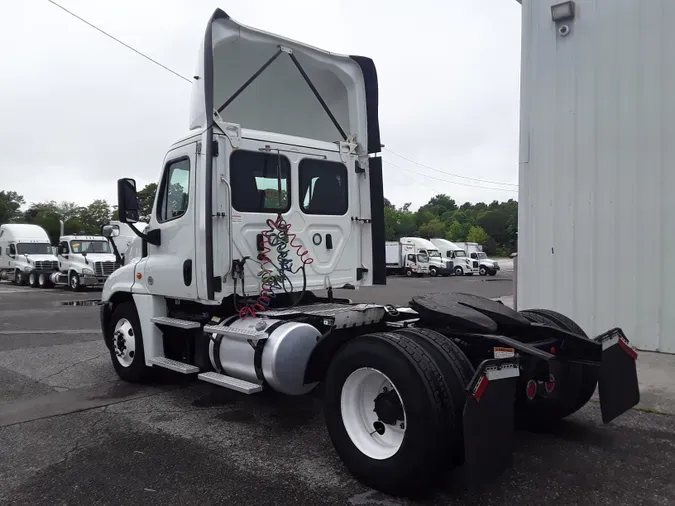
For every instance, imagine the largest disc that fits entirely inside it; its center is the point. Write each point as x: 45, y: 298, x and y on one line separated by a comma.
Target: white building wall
x: 597, y: 167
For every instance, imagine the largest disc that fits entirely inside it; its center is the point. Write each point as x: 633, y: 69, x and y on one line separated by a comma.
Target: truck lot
x: 70, y: 432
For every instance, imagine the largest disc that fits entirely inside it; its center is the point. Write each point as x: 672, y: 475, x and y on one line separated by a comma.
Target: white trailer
x: 405, y: 259
x: 26, y: 255
x: 438, y: 266
x: 235, y: 257
x: 596, y: 154
x: 462, y: 265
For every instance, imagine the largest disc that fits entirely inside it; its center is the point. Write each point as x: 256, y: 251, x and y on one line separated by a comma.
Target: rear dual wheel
x: 392, y: 405
x: 575, y: 386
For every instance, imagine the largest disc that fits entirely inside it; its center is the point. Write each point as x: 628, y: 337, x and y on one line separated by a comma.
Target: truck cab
x: 438, y: 266
x: 485, y: 265
x: 26, y: 255
x: 84, y: 261
x: 463, y: 265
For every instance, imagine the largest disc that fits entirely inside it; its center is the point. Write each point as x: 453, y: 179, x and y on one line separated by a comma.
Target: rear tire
x: 411, y: 462
x: 126, y: 348
x: 457, y: 372
x: 33, y: 279
x: 580, y: 381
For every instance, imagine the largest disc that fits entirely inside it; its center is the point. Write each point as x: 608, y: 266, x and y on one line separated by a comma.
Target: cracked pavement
x: 71, y: 433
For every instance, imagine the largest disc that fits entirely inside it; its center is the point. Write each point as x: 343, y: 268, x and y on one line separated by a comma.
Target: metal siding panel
x: 597, y: 115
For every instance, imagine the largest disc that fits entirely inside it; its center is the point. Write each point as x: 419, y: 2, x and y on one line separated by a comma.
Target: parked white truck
x: 235, y: 262
x: 475, y: 252
x: 26, y: 255
x: 84, y: 261
x: 462, y: 264
x: 406, y: 259
x: 438, y: 266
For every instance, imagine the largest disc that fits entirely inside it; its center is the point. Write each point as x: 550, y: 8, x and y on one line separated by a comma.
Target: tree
x: 10, y: 202
x: 146, y: 199
x: 434, y: 228
x: 95, y: 215
x: 477, y: 235
x: 456, y: 232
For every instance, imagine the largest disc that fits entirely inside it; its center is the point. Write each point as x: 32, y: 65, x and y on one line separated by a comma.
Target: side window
x: 323, y: 187
x: 448, y: 254
x: 260, y: 182
x: 63, y: 248
x: 174, y: 194
x: 12, y: 249
x: 411, y: 258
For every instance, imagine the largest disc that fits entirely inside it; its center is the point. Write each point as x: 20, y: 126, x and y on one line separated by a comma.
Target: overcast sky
x: 78, y: 110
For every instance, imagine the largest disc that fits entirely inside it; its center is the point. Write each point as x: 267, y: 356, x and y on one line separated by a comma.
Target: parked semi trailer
x: 234, y: 257
x: 26, y: 255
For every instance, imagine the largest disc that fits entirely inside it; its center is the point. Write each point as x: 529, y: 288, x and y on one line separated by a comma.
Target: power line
x: 448, y: 173
x: 120, y: 42
x: 451, y: 182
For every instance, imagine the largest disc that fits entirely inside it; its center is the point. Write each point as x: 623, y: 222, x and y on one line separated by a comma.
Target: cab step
x: 245, y: 334
x: 174, y: 365
x: 175, y: 322
x: 245, y: 387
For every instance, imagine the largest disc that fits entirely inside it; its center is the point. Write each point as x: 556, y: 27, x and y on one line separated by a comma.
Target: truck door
x: 170, y: 267
x: 312, y: 193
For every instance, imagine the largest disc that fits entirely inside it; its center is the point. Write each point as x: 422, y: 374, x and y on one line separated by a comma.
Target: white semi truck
x: 463, y: 265
x: 26, y: 255
x: 438, y: 266
x: 84, y: 261
x: 405, y: 259
x: 475, y: 252
x: 236, y: 276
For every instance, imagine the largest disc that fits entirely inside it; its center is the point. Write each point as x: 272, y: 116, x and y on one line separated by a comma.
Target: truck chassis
x: 409, y: 391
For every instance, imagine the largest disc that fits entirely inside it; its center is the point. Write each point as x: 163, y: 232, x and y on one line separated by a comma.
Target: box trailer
x: 596, y: 155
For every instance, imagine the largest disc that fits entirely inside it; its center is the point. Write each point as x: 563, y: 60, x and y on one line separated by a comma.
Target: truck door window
x: 323, y: 187
x: 63, y: 248
x: 260, y: 182
x: 411, y: 258
x: 175, y: 190
x: 12, y: 249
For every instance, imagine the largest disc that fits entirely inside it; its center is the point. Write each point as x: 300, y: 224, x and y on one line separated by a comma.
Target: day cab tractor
x: 271, y: 202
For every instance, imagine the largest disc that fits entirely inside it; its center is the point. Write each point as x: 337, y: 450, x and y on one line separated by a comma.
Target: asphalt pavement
x: 71, y: 433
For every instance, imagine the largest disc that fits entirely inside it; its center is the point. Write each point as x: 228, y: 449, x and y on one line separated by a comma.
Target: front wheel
x: 483, y: 271
x: 387, y: 413
x: 459, y: 271
x: 126, y: 348
x: 19, y: 278
x: 433, y: 272
x: 409, y: 273
x: 74, y: 282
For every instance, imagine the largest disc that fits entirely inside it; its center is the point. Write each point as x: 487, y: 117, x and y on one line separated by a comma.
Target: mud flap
x: 617, y: 382
x: 488, y: 420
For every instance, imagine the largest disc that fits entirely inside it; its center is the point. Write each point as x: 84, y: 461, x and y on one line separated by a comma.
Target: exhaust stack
x: 62, y: 228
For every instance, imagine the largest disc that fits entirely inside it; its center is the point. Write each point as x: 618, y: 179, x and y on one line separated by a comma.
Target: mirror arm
x: 153, y: 237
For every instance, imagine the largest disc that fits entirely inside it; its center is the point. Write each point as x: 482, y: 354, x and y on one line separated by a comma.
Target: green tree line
x: 493, y: 225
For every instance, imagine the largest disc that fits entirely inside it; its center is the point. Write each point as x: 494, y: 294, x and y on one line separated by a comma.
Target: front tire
x: 74, y: 282
x: 126, y: 348
x: 409, y: 273
x: 433, y: 272
x: 19, y: 278
x: 400, y: 448
x: 483, y: 271
x: 459, y: 271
